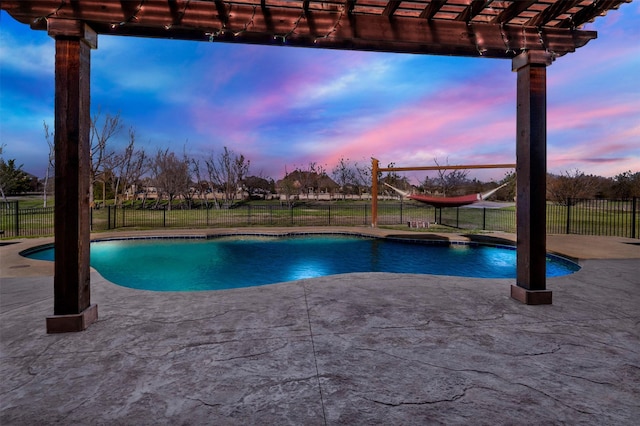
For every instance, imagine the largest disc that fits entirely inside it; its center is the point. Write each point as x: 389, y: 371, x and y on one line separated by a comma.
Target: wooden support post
x: 73, y: 310
x: 531, y: 170
x: 374, y: 192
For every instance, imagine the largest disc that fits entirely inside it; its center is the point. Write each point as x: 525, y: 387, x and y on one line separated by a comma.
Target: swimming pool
x: 171, y: 264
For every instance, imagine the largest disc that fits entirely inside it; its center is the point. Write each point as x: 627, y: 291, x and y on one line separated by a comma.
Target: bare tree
x: 4, y: 178
x: 135, y: 167
x: 101, y: 131
x: 288, y: 186
x: 363, y: 175
x: 626, y: 185
x: 203, y: 187
x: 430, y: 185
x: 127, y: 166
x: 450, y: 180
x: 51, y: 161
x: 311, y: 180
x: 170, y: 174
x: 394, y: 179
x: 570, y: 186
x: 508, y: 193
x: 344, y: 174
x: 227, y: 171
x: 308, y: 178
x: 147, y: 183
x: 188, y: 191
x: 324, y: 183
x: 258, y: 185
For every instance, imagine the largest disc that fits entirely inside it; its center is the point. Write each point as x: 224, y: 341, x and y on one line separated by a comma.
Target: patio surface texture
x: 353, y: 349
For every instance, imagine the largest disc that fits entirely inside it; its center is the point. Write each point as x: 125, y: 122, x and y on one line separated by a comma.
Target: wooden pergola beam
x: 551, y: 12
x: 391, y: 8
x: 331, y: 27
x: 471, y: 11
x: 512, y: 11
x: 454, y: 167
x: 432, y: 8
x: 589, y: 12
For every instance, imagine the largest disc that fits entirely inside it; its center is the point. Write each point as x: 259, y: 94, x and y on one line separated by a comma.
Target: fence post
x: 401, y: 204
x: 329, y: 213
x: 484, y: 218
x: 365, y: 214
x: 17, y: 221
x: 633, y: 217
x: 248, y: 214
x: 164, y: 217
x: 568, y: 228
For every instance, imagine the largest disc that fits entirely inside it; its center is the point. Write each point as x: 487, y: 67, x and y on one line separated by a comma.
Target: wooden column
x: 374, y: 192
x: 531, y: 170
x: 72, y: 310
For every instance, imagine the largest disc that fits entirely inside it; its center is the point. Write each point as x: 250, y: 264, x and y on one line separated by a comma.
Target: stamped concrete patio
x: 366, y: 348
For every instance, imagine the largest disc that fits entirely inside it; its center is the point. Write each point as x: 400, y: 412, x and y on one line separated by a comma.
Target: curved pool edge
x: 15, y: 265
x: 425, y: 238
x: 570, y: 266
x: 13, y: 252
x: 575, y: 247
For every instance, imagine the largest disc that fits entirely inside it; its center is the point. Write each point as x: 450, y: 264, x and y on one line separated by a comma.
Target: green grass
x: 597, y: 218
x: 32, y: 201
x: 615, y: 220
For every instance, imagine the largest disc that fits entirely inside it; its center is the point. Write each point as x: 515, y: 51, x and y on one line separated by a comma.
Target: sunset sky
x: 285, y: 107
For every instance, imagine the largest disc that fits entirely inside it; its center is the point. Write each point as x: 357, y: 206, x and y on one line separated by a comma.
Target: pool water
x: 245, y: 261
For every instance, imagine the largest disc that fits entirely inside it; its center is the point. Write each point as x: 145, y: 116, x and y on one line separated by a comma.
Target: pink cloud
x: 451, y: 123
x: 275, y: 94
x: 578, y: 116
x: 606, y: 154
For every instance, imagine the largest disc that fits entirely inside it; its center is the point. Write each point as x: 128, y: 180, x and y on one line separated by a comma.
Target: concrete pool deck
x: 366, y: 348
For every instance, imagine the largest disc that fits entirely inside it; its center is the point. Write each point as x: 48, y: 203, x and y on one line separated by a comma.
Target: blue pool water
x: 244, y: 261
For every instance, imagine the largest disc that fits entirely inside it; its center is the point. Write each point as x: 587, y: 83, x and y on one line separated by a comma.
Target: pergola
x: 531, y: 33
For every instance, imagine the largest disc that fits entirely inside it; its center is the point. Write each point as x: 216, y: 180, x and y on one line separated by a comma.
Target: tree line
x: 220, y: 179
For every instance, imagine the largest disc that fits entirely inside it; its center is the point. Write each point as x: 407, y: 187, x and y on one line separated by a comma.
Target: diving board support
x: 531, y: 177
x: 72, y: 308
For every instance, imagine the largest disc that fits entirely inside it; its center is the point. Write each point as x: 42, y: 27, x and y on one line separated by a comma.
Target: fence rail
x: 586, y: 217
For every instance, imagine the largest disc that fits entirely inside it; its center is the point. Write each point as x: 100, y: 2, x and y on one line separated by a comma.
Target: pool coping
x: 575, y: 248
x: 570, y: 265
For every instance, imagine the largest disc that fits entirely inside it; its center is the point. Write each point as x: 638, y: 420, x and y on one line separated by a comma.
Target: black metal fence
x: 595, y: 217
x: 31, y: 222
x: 586, y: 217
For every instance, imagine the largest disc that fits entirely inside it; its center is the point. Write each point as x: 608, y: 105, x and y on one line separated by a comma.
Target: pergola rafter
x: 471, y: 11
x: 496, y: 29
x: 531, y: 33
x: 431, y: 9
x: 391, y: 8
x: 550, y: 13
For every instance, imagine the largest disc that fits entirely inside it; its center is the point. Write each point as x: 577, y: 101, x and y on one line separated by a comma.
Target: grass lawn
x: 599, y: 217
